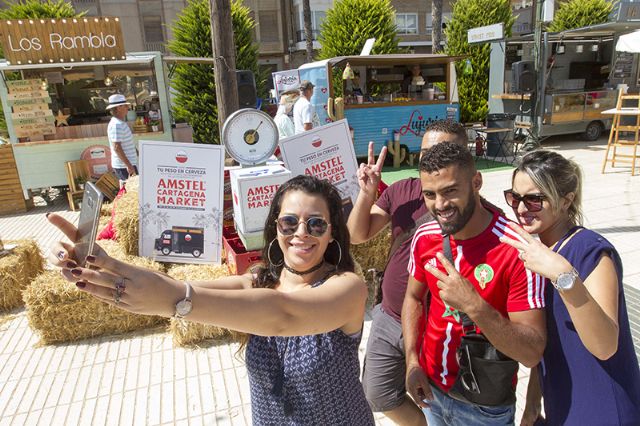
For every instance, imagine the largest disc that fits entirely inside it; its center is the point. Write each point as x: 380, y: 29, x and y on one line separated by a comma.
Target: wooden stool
x: 109, y: 185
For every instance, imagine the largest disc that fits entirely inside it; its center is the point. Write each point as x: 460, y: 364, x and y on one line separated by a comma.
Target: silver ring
x: 116, y: 299
x: 120, y: 286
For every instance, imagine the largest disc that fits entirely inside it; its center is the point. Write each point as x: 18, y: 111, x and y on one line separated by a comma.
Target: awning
x: 629, y: 42
x: 131, y: 58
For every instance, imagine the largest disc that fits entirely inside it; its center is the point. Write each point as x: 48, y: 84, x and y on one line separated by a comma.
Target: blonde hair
x: 556, y: 177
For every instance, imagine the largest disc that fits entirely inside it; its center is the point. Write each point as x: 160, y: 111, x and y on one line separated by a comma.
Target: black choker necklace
x: 308, y: 271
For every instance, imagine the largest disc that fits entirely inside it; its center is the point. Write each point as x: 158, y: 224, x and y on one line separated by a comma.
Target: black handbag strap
x: 468, y: 326
x: 407, y: 235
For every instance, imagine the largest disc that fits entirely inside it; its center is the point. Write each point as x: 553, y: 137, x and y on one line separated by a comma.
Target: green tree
x: 473, y: 84
x: 195, y: 100
x: 23, y: 9
x: 349, y: 23
x: 580, y: 13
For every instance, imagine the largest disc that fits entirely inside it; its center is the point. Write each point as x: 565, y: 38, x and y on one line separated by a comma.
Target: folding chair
x: 77, y: 173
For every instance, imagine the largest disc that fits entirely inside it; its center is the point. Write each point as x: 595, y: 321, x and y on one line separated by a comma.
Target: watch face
x: 565, y: 281
x: 250, y: 136
x: 183, y: 307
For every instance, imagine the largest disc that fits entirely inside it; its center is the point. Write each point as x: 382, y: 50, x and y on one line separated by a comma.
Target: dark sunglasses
x: 316, y: 226
x: 533, y: 202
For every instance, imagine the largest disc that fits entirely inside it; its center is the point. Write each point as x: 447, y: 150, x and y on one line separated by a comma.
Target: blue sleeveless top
x: 306, y: 380
x: 578, y: 388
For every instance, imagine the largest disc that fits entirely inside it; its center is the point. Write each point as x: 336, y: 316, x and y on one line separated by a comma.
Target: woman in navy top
x: 589, y: 374
x: 303, y: 309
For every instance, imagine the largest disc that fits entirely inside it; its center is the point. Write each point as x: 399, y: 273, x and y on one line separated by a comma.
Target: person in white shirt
x: 303, y: 110
x: 285, y: 110
x: 124, y: 162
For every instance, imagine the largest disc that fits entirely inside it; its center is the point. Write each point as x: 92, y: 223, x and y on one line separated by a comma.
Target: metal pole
x: 533, y: 140
x: 224, y: 60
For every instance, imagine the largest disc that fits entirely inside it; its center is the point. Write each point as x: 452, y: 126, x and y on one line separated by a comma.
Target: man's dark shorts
x: 383, y: 377
x: 123, y: 174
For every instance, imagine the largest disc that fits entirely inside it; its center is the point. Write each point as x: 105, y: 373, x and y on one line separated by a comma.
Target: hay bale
x: 127, y: 218
x: 373, y: 253
x: 59, y: 312
x: 187, y: 333
x: 17, y: 270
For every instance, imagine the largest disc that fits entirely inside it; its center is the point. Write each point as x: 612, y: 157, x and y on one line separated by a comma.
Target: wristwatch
x: 566, y: 280
x: 184, y: 307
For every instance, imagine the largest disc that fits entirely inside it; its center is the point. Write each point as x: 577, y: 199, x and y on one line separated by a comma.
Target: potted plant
x: 155, y: 125
x: 80, y: 181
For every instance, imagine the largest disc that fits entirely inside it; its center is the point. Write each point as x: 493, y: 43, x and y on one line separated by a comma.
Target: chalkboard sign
x: 623, y: 65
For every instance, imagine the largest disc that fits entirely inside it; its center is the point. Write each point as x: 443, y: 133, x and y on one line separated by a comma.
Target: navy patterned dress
x: 307, y: 380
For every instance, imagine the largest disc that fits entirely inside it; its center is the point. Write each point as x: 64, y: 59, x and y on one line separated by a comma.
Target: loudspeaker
x: 246, y: 89
x: 523, y: 77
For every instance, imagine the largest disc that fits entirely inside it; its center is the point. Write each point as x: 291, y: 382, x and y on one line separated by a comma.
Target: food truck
x: 181, y: 239
x: 56, y: 79
x: 582, y: 75
x: 383, y: 97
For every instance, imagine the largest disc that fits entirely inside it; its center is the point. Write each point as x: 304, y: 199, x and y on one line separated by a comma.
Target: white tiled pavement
x: 141, y: 379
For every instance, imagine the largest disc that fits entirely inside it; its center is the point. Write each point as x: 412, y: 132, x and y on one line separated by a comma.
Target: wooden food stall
x: 385, y: 97
x: 56, y: 79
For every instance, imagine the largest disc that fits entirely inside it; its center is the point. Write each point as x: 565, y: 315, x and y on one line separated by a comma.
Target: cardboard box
x: 253, y: 189
x: 238, y: 258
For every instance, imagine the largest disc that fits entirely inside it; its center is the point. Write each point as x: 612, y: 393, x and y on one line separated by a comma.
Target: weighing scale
x: 250, y: 136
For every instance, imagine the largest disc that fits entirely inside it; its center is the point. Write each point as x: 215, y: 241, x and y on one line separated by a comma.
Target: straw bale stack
x: 59, y: 312
x: 127, y: 217
x: 187, y: 333
x: 373, y: 253
x: 17, y: 270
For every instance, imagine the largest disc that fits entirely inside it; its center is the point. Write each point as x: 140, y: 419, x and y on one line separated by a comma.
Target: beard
x: 460, y: 218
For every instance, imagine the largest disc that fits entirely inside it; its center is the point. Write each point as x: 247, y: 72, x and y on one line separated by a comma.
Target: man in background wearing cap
x: 125, y: 161
x: 303, y: 110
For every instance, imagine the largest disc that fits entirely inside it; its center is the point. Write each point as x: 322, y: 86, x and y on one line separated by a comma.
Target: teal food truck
x: 384, y: 98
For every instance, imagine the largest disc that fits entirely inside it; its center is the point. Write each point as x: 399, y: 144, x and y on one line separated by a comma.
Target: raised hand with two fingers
x: 536, y: 256
x: 370, y: 174
x: 455, y: 290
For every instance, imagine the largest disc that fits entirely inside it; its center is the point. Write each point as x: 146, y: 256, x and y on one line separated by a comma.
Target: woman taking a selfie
x: 589, y: 373
x: 304, y: 308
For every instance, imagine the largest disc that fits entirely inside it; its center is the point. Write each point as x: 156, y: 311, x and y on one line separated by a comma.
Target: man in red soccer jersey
x: 486, y: 280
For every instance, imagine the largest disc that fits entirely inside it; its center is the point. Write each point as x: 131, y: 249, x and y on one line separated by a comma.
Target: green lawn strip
x: 391, y: 174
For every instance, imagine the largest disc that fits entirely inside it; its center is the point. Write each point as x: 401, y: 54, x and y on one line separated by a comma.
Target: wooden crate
x: 11, y: 195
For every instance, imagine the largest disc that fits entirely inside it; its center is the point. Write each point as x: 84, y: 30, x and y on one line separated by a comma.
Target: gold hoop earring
x: 269, y: 255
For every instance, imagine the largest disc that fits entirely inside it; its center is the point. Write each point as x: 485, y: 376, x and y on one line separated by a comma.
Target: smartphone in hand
x: 88, y: 223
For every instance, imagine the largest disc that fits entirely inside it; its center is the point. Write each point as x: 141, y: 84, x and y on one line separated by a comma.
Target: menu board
x: 31, y: 114
x: 623, y: 65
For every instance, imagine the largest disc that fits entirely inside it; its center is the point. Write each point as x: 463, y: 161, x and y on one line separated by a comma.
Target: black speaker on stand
x: 523, y: 77
x: 247, y: 97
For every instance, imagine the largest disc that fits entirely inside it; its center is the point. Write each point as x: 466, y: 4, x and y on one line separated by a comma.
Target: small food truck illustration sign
x: 181, y: 239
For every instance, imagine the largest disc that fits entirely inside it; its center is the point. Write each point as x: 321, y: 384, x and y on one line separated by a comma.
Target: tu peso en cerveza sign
x: 41, y: 41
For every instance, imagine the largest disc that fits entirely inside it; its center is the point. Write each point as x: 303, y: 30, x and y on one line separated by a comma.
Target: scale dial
x: 250, y: 136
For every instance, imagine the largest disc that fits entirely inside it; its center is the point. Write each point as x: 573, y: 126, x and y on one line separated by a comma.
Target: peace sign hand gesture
x: 455, y: 290
x: 370, y: 174
x: 536, y: 256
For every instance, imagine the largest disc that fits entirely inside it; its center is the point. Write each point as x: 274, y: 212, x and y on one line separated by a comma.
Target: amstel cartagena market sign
x: 38, y: 41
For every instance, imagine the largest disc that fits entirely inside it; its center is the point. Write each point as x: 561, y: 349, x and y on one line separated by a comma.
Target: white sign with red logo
x: 285, y: 81
x: 327, y: 153
x: 253, y: 189
x: 181, y: 196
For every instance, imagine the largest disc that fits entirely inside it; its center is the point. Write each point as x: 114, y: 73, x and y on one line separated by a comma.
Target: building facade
x: 146, y: 24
